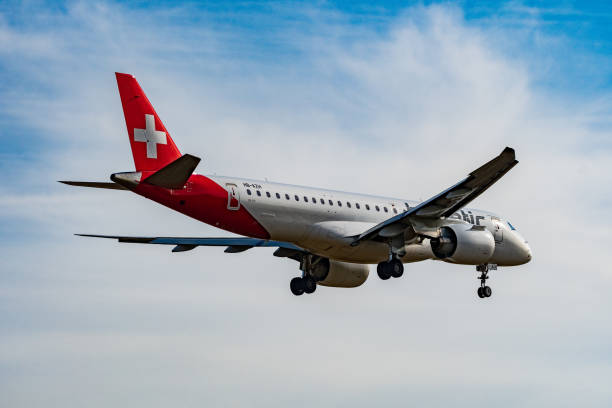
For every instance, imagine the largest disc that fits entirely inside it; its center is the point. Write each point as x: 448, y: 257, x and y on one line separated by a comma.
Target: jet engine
x: 339, y: 274
x: 463, y: 244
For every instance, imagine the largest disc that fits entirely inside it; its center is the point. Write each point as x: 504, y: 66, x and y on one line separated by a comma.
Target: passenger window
x: 322, y: 201
x: 394, y: 210
x: 314, y: 200
x: 357, y: 205
x: 297, y: 198
x: 348, y: 204
x: 407, y: 206
x: 268, y: 194
x: 368, y: 207
x: 331, y: 202
x: 377, y: 208
x: 339, y: 203
x: 248, y: 191
x: 287, y: 196
x: 277, y: 195
x: 258, y: 193
x: 385, y: 208
x: 305, y: 199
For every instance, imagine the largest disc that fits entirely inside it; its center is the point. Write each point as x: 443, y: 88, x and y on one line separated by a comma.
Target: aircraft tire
x: 309, y: 284
x: 486, y: 291
x: 297, y: 286
x: 396, y: 268
x: 480, y: 294
x: 383, y: 271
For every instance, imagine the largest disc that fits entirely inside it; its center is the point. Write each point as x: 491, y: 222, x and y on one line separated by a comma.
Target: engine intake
x: 462, y: 244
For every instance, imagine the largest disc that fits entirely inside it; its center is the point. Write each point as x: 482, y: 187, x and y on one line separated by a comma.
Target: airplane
x: 333, y: 235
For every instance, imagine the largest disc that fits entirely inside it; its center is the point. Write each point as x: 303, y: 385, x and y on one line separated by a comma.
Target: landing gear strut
x: 306, y: 283
x: 392, y: 268
x: 484, y: 291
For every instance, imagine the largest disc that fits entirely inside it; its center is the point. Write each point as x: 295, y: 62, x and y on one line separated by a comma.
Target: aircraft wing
x: 233, y: 244
x: 448, y: 201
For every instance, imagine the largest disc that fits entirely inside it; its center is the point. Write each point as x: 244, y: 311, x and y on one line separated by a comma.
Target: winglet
x: 507, y: 156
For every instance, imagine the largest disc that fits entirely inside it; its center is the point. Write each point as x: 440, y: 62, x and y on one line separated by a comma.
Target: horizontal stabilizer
x: 175, y: 174
x: 95, y: 184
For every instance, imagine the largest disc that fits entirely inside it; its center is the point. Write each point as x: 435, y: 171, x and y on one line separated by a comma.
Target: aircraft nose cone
x: 527, y: 251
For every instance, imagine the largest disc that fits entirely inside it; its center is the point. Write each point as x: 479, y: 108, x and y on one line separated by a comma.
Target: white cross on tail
x: 150, y: 136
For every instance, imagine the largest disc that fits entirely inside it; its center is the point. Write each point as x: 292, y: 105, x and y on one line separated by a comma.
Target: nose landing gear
x: 485, y: 291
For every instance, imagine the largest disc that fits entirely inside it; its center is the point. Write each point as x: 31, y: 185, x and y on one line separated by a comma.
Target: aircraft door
x: 498, y: 232
x: 233, y: 197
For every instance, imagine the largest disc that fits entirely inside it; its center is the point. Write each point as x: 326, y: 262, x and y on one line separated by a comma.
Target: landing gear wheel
x: 383, y: 271
x: 480, y: 294
x: 309, y: 284
x: 485, y: 291
x: 297, y: 286
x: 396, y: 268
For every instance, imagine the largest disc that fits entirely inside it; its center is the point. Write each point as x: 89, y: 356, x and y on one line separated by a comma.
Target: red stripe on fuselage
x: 206, y: 201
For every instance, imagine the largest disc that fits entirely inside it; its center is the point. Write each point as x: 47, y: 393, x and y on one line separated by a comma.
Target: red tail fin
x: 152, y: 146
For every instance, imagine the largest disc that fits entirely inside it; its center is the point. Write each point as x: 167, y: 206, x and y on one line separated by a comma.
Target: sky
x: 393, y: 98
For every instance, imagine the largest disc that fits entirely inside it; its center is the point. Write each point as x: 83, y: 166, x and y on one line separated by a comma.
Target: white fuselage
x: 322, y: 221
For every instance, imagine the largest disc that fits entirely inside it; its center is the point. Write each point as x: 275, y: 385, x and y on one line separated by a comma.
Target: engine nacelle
x: 339, y: 274
x: 463, y: 244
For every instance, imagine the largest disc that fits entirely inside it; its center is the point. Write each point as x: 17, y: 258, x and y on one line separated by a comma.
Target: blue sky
x: 393, y: 99
x: 565, y: 45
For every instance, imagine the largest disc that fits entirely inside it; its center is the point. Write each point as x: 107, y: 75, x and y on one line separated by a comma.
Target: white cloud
x: 406, y: 112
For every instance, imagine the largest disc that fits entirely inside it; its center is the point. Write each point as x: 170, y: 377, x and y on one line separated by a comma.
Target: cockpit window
x: 511, y: 226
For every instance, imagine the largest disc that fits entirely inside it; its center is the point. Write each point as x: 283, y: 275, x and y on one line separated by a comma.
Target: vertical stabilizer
x: 152, y: 146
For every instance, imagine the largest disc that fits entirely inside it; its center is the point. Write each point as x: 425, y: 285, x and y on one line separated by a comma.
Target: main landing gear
x: 484, y: 291
x: 301, y: 285
x: 313, y: 269
x: 392, y: 268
